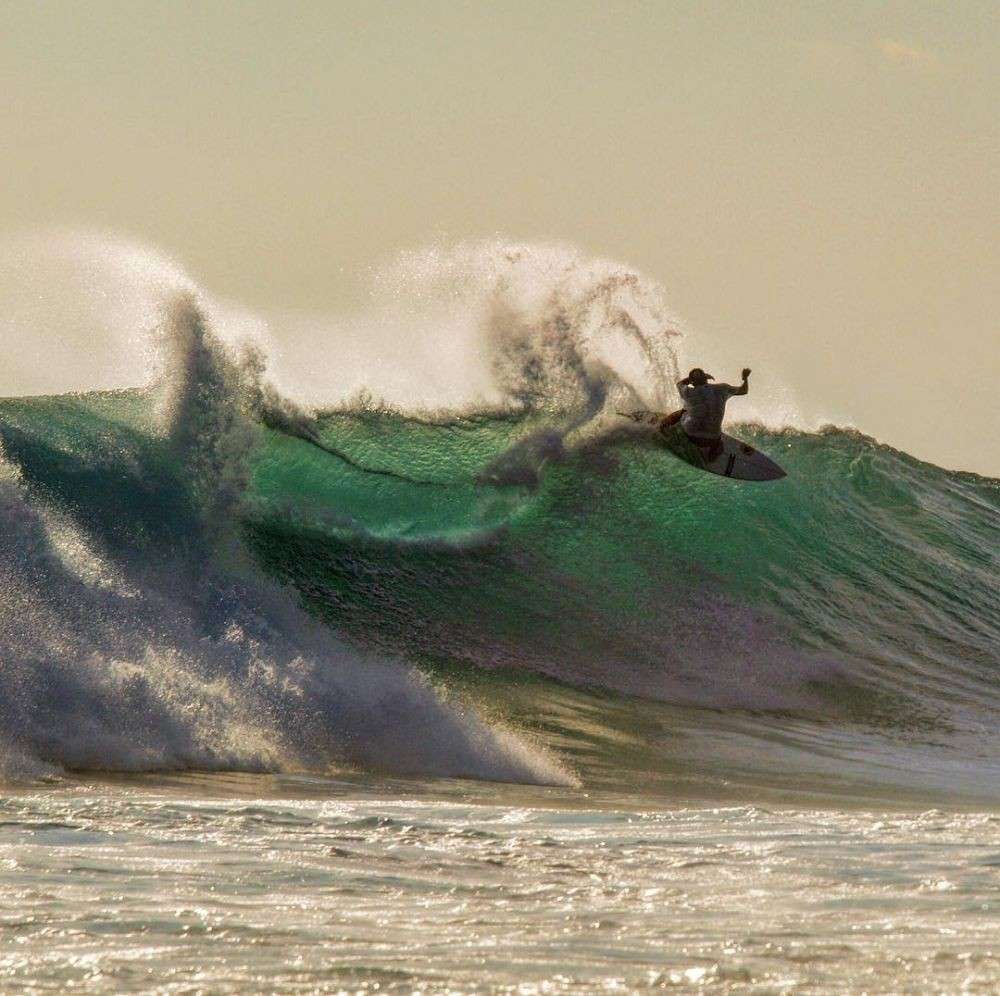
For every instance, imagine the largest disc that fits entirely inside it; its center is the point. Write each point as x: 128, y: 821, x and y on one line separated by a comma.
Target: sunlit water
x: 236, y: 885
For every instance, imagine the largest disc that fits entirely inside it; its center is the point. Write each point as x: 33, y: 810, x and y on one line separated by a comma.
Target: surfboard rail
x: 735, y: 458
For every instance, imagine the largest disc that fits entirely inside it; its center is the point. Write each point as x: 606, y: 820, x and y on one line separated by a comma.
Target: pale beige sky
x: 817, y: 185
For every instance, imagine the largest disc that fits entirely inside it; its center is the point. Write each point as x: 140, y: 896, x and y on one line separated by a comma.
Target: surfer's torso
x: 704, y: 408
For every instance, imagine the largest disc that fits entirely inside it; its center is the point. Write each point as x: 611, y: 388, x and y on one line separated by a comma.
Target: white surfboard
x: 737, y: 459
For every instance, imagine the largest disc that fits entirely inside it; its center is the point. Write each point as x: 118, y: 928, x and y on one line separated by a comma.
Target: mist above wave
x: 451, y: 327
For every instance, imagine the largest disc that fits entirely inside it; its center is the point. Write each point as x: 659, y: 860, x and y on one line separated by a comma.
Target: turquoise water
x: 595, y: 600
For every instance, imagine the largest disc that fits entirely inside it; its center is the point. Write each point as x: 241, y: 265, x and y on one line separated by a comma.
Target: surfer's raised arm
x: 744, y: 388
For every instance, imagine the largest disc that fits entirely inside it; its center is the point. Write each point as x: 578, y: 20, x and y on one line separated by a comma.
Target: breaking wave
x: 494, y: 578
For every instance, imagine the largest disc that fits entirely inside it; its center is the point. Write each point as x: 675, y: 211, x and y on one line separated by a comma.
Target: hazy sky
x: 817, y: 185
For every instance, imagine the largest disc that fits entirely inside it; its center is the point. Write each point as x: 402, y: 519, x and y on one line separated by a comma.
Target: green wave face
x: 632, y: 614
x: 862, y: 550
x: 857, y: 596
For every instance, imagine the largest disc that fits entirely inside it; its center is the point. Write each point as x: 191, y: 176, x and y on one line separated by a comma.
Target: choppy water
x: 316, y: 885
x: 711, y: 734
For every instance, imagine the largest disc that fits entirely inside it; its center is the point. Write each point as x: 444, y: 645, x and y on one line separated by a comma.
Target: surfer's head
x: 697, y: 377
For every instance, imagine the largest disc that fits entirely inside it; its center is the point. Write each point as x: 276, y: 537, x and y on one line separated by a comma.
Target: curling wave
x: 204, y: 573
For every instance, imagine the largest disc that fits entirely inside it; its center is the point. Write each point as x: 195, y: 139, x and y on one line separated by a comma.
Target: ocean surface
x: 485, y: 698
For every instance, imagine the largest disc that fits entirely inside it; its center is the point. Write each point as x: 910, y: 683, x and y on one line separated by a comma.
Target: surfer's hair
x: 698, y: 376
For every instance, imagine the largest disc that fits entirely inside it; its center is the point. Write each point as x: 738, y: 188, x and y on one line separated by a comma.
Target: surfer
x: 704, y: 409
x: 694, y: 433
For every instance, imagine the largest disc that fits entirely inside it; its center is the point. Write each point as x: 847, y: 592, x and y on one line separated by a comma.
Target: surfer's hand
x: 746, y: 372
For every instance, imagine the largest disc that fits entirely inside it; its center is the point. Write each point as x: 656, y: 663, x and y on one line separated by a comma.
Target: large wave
x: 206, y: 573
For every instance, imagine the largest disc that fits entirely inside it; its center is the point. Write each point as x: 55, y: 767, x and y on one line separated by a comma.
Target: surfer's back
x: 704, y: 408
